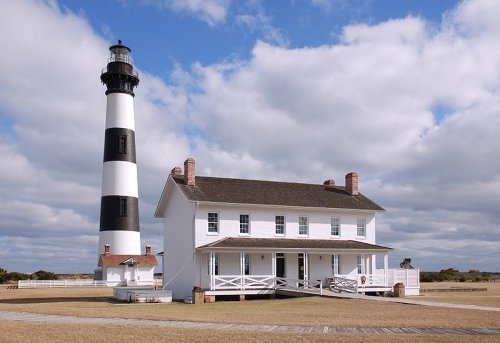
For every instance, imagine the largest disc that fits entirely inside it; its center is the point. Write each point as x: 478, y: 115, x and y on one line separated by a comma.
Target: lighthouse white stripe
x: 119, y: 178
x: 120, y: 111
x: 121, y: 242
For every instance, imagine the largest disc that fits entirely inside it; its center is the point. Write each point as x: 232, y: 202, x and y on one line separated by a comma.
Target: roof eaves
x: 285, y: 206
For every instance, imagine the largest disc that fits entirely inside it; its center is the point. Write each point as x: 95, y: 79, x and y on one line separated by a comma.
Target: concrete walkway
x: 58, y: 319
x: 410, y: 301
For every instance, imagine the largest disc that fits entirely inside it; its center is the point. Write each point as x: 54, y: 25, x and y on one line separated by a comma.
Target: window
x: 123, y: 207
x: 335, y: 226
x: 247, y: 265
x: 361, y: 264
x: 361, y: 224
x: 303, y: 226
x: 280, y: 225
x: 213, y: 222
x: 122, y: 144
x: 335, y: 265
x: 215, y: 262
x: 244, y: 224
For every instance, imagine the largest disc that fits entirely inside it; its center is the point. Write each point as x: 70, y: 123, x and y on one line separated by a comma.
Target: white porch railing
x: 310, y: 286
x: 65, y: 283
x: 345, y: 284
x: 243, y: 282
x: 248, y: 282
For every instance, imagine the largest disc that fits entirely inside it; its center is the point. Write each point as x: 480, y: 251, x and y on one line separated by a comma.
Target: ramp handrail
x: 345, y: 284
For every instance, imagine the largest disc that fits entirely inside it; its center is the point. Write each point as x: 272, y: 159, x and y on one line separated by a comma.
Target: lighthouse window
x: 123, y: 207
x: 123, y: 144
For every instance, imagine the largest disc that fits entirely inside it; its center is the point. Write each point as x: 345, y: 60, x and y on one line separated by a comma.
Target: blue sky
x: 406, y: 93
x: 161, y: 37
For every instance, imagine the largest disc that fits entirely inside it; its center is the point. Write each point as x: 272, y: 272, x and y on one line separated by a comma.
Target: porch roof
x: 289, y: 244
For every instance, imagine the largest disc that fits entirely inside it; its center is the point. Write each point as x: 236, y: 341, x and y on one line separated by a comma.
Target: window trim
x: 213, y: 233
x: 248, y: 229
x: 307, y: 226
x: 339, y: 224
x: 276, y: 224
x: 357, y: 227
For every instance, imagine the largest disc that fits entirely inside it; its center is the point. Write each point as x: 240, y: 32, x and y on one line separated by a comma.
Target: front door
x: 280, y: 265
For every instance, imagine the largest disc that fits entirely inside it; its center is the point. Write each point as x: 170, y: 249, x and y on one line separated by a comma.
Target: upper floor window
x: 244, y: 224
x: 335, y: 226
x: 361, y: 227
x: 213, y: 222
x: 303, y: 226
x: 279, y: 225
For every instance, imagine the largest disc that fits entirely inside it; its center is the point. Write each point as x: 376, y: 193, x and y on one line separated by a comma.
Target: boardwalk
x: 410, y: 301
x: 35, y: 317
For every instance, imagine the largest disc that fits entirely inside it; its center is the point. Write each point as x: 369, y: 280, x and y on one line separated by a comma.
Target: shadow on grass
x: 56, y: 300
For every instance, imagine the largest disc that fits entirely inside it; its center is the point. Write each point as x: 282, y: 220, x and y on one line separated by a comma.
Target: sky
x: 405, y: 93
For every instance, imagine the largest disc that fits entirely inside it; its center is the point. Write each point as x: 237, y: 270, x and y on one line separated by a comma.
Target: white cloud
x: 212, y: 12
x: 257, y: 20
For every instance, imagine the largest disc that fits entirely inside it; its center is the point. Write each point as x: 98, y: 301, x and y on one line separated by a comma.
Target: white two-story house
x: 237, y: 236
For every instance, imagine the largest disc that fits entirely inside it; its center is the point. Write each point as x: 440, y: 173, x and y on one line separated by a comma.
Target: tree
x: 3, y: 275
x: 44, y: 275
x: 406, y: 264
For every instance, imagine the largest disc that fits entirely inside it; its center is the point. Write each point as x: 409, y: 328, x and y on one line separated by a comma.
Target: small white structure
x: 128, y: 270
x: 142, y: 295
x: 235, y: 236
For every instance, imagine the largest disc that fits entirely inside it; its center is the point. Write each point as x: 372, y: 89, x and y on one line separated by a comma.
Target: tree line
x: 6, y: 277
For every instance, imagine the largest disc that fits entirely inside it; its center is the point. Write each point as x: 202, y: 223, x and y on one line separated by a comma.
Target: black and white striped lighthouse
x: 119, y: 224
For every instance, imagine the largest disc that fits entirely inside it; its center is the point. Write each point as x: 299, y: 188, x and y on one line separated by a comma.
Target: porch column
x: 242, y: 269
x: 374, y: 264
x: 306, y: 266
x: 386, y: 265
x: 211, y: 258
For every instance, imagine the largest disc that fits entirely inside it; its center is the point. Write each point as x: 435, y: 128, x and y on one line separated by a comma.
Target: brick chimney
x: 176, y: 171
x: 148, y: 250
x: 189, y: 172
x: 106, y: 249
x: 351, y: 183
x: 329, y: 183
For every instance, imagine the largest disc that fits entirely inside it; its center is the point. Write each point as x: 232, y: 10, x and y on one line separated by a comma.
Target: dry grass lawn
x: 489, y: 298
x: 95, y: 302
x: 42, y: 332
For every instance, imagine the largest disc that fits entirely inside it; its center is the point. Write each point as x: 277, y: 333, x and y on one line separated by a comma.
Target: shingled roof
x: 117, y: 260
x: 258, y: 192
x: 291, y: 243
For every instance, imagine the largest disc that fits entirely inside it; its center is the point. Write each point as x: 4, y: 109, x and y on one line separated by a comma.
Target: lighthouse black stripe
x: 119, y: 213
x: 119, y: 145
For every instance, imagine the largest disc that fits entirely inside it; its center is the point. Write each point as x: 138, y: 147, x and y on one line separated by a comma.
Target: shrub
x: 44, y: 275
x: 461, y: 279
x: 3, y: 275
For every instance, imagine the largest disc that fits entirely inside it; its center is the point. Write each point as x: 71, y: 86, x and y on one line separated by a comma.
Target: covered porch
x: 262, y: 266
